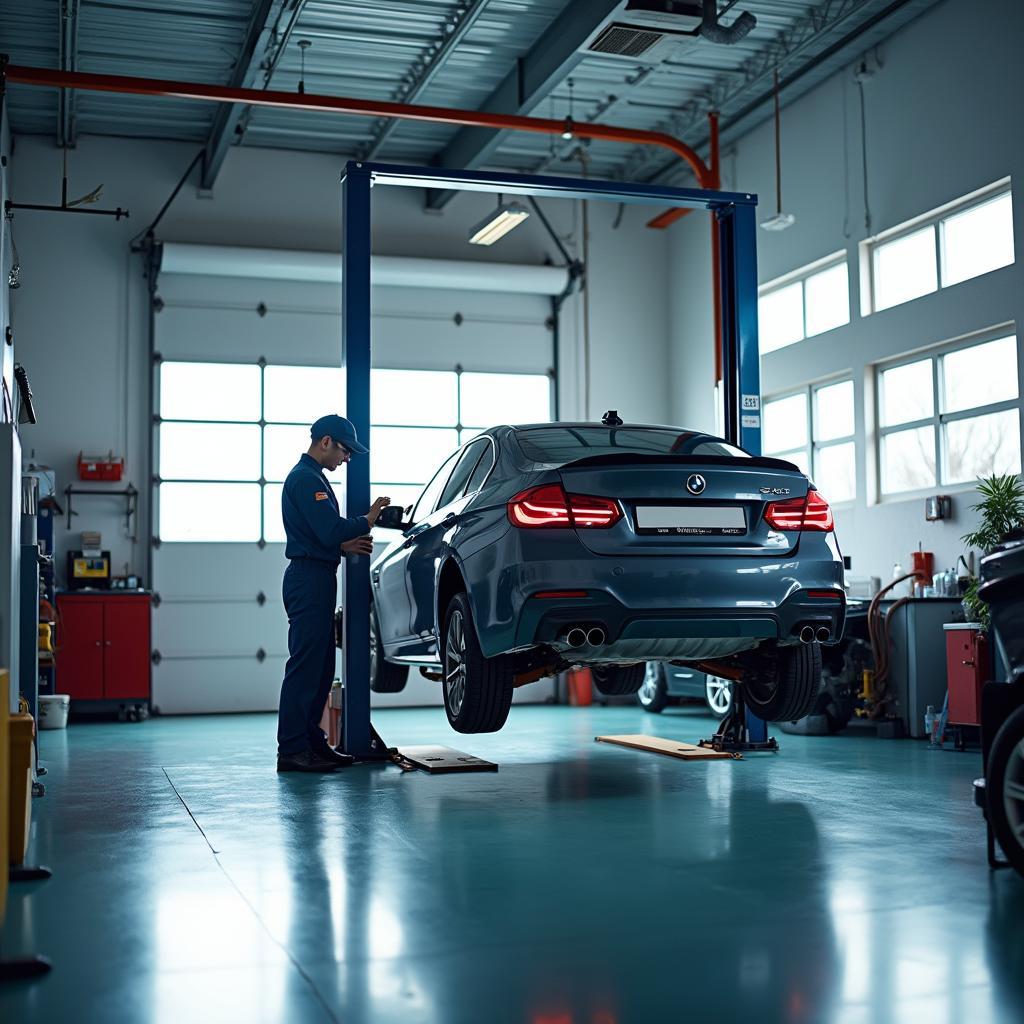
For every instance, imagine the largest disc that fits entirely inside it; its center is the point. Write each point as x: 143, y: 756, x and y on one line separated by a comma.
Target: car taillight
x: 809, y: 513
x: 549, y: 505
x: 588, y: 511
x: 818, y: 515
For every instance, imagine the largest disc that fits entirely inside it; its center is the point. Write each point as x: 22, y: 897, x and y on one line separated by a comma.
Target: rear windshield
x: 565, y: 444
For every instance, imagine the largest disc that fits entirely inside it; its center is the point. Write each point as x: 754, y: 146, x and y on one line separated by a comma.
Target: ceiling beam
x: 265, y: 37
x: 67, y: 41
x: 430, y: 63
x: 552, y: 57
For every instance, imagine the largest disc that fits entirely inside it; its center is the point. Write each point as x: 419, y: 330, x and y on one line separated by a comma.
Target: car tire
x: 788, y: 690
x: 718, y: 695
x: 1004, y: 788
x: 477, y: 689
x: 618, y: 680
x: 653, y: 693
x: 384, y: 676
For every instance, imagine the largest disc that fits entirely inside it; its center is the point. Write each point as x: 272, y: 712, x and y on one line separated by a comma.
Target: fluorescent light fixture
x: 779, y: 222
x: 498, y: 224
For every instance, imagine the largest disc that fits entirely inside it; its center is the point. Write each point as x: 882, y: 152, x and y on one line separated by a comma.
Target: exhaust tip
x: 807, y: 635
x: 595, y: 636
x: 822, y: 634
x: 575, y: 637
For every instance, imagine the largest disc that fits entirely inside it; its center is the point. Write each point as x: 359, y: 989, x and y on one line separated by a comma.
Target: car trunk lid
x: 692, y: 506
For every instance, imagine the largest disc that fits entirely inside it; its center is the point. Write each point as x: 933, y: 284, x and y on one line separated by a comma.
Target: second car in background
x: 665, y: 684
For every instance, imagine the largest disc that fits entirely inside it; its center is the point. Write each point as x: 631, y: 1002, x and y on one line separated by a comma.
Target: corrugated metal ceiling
x: 372, y: 49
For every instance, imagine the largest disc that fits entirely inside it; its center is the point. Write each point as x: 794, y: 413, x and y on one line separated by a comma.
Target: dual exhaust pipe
x: 808, y: 634
x: 580, y: 637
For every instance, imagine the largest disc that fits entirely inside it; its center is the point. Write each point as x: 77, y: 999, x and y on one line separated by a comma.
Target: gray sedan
x: 539, y: 547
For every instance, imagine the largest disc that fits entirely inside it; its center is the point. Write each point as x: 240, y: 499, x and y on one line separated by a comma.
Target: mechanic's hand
x: 375, y: 509
x: 359, y: 546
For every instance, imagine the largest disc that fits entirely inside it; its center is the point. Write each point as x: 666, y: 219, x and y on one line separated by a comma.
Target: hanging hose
x: 881, y: 642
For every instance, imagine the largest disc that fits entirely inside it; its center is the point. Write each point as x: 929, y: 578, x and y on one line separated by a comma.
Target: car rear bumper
x: 663, y: 605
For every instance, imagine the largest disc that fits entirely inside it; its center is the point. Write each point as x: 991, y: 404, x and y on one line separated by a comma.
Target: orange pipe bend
x: 347, y: 105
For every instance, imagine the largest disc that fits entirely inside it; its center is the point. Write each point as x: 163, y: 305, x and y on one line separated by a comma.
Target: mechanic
x: 317, y: 536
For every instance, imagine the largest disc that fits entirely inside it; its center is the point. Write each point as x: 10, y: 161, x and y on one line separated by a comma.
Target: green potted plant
x: 1002, y: 510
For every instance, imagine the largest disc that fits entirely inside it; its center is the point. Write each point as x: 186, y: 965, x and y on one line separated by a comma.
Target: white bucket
x: 53, y: 710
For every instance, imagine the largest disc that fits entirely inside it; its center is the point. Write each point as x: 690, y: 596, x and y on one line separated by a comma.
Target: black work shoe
x: 305, y: 761
x: 328, y: 753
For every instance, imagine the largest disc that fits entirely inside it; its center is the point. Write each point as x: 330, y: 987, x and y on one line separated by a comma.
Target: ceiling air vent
x: 625, y: 41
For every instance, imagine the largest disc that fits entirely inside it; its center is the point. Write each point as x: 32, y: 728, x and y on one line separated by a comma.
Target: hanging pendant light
x: 778, y: 221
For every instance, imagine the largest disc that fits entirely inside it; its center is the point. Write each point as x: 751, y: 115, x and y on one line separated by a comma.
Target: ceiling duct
x: 714, y: 32
x: 647, y: 29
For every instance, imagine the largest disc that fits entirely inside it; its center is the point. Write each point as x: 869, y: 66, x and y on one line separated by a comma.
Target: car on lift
x: 666, y: 684
x: 538, y: 547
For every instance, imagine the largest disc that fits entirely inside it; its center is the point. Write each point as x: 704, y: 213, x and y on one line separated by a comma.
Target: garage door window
x: 949, y: 418
x: 229, y: 433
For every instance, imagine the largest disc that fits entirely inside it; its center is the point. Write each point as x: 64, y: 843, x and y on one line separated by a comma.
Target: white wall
x: 942, y: 112
x: 81, y: 313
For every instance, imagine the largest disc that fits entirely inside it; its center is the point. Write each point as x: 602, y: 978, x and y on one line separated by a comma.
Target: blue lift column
x: 358, y: 737
x: 741, y: 368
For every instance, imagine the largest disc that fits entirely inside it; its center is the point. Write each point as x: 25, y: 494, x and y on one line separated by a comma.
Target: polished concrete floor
x: 841, y: 880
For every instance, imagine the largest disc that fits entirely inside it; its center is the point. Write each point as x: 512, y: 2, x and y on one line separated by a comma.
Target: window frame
x: 813, y: 445
x: 800, y: 276
x: 932, y: 219
x: 936, y: 357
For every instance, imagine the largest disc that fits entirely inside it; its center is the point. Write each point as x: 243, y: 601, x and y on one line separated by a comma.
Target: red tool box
x: 100, y: 467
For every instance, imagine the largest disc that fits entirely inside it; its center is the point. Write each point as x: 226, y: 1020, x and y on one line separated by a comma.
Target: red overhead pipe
x: 346, y: 105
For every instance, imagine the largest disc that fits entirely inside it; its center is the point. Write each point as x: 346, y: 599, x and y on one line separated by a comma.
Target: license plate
x: 691, y: 520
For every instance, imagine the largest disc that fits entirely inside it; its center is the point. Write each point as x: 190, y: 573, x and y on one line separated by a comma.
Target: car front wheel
x: 653, y: 693
x: 384, y: 677
x: 787, y: 687
x: 477, y: 689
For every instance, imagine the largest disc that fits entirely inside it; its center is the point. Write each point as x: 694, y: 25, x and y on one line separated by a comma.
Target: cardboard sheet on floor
x: 673, y: 748
x: 437, y: 760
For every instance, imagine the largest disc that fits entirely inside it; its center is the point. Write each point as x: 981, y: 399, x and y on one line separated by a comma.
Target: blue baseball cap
x: 338, y: 429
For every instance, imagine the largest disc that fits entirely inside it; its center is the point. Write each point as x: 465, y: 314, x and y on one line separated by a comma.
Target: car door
x: 391, y: 593
x: 421, y: 571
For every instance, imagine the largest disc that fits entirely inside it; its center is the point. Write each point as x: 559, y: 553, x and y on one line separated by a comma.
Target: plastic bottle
x: 929, y: 723
x: 897, y: 572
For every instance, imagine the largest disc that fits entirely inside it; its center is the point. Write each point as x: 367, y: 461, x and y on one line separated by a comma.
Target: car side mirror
x: 391, y: 517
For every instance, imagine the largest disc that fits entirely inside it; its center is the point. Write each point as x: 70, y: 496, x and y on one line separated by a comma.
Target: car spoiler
x: 636, y: 459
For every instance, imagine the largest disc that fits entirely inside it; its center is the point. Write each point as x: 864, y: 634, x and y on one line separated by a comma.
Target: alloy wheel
x: 1013, y: 791
x: 719, y: 694
x: 455, y: 662
x: 648, y: 693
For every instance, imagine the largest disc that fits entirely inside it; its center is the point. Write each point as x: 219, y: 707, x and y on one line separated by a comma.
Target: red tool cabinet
x: 103, y: 646
x: 967, y: 669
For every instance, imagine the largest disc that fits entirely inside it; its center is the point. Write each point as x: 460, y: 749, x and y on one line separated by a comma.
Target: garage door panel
x: 219, y: 570
x: 210, y: 628
x: 206, y: 685
x: 231, y: 335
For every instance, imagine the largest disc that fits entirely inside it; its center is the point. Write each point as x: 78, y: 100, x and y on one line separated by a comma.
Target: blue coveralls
x: 315, y: 530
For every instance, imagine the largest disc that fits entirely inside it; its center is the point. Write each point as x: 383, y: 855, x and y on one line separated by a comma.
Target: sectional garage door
x: 245, y: 360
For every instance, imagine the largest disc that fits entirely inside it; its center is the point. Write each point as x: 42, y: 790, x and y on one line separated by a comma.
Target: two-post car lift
x: 735, y: 223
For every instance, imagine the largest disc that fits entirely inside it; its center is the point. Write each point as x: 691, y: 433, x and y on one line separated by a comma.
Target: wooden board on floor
x: 673, y: 748
x: 438, y: 760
